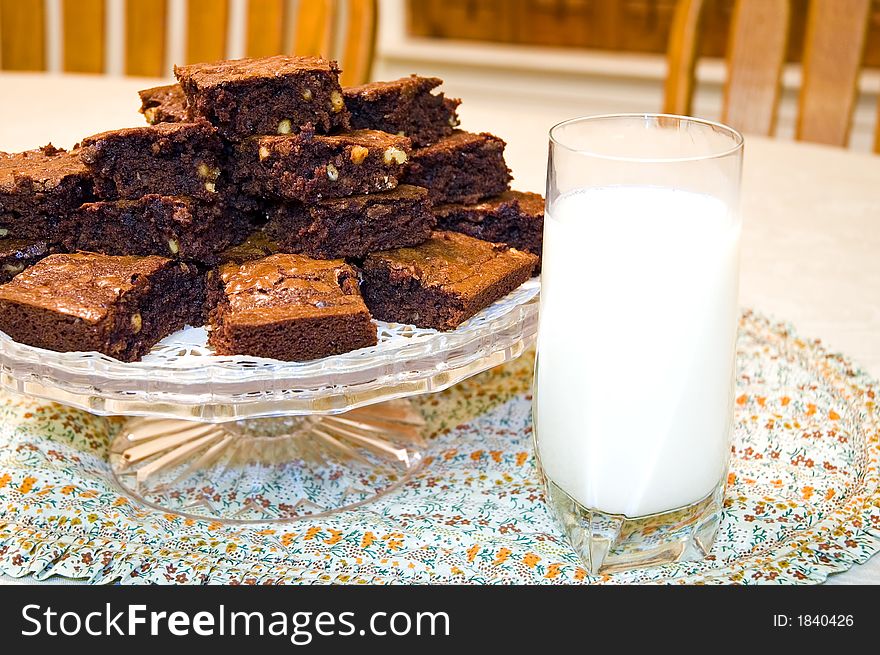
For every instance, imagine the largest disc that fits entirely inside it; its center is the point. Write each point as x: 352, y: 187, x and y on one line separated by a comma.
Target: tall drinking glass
x: 634, y: 377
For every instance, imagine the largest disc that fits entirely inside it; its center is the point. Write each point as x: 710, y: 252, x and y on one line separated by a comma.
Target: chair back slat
x: 833, y: 50
x: 877, y: 131
x: 681, y: 58
x: 360, y: 42
x: 755, y: 59
x: 82, y: 29
x: 22, y: 35
x: 265, y: 28
x: 315, y: 27
x: 145, y: 37
x: 834, y: 46
x: 206, y: 30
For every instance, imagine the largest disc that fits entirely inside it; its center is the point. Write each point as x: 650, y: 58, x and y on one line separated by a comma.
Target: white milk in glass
x: 636, y: 347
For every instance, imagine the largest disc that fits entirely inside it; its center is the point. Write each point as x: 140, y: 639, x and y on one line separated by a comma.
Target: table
x: 810, y: 244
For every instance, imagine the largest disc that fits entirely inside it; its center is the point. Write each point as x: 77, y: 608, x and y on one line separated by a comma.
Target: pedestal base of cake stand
x: 269, y: 469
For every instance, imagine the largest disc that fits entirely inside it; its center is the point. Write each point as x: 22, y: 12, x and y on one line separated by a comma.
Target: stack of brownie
x: 266, y: 200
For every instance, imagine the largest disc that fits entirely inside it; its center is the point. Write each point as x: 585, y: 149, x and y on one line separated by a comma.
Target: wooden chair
x: 834, y: 45
x: 146, y: 37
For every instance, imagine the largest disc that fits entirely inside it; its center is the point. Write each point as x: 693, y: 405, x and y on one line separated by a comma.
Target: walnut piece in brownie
x: 269, y: 95
x: 39, y: 190
x: 309, y: 167
x: 164, y: 104
x: 353, y: 226
x: 256, y: 246
x: 288, y: 307
x: 405, y: 107
x: 464, y: 167
x: 17, y: 254
x: 170, y: 159
x: 119, y: 306
x: 442, y: 282
x: 170, y: 226
x: 515, y: 218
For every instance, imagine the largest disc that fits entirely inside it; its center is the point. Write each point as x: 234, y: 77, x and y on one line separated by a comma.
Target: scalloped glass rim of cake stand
x: 181, y: 379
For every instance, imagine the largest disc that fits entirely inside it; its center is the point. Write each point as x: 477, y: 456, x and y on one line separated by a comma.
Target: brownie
x: 288, y: 307
x: 164, y: 104
x: 256, y: 246
x: 442, y: 282
x: 515, y: 218
x: 309, y: 167
x: 405, y: 107
x: 171, y: 159
x: 39, y: 189
x: 464, y: 167
x: 119, y: 306
x: 269, y: 95
x: 353, y: 226
x: 17, y: 254
x: 170, y: 226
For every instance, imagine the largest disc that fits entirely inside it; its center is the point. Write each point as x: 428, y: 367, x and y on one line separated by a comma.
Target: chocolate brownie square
x: 17, y: 254
x: 171, y: 159
x: 39, y: 189
x: 464, y: 167
x: 309, y: 167
x: 164, y: 104
x: 170, y: 226
x: 405, y: 107
x: 257, y: 246
x: 288, y: 307
x: 442, y: 282
x: 515, y: 218
x: 353, y: 226
x: 119, y: 306
x: 269, y: 95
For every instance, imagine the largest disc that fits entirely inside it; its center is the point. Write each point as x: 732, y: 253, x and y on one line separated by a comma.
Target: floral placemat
x: 803, y: 496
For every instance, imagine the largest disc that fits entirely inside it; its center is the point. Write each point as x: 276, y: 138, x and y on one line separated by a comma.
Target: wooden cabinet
x: 621, y: 25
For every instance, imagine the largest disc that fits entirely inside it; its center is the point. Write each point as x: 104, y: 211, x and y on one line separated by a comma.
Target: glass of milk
x: 633, y: 400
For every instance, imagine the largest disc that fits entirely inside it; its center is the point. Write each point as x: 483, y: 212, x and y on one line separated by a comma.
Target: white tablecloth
x: 811, y: 236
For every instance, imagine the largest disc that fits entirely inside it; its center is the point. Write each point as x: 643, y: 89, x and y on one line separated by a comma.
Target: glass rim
x: 738, y: 139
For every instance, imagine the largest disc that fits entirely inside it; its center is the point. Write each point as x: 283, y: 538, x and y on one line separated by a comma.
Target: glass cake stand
x: 245, y: 439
